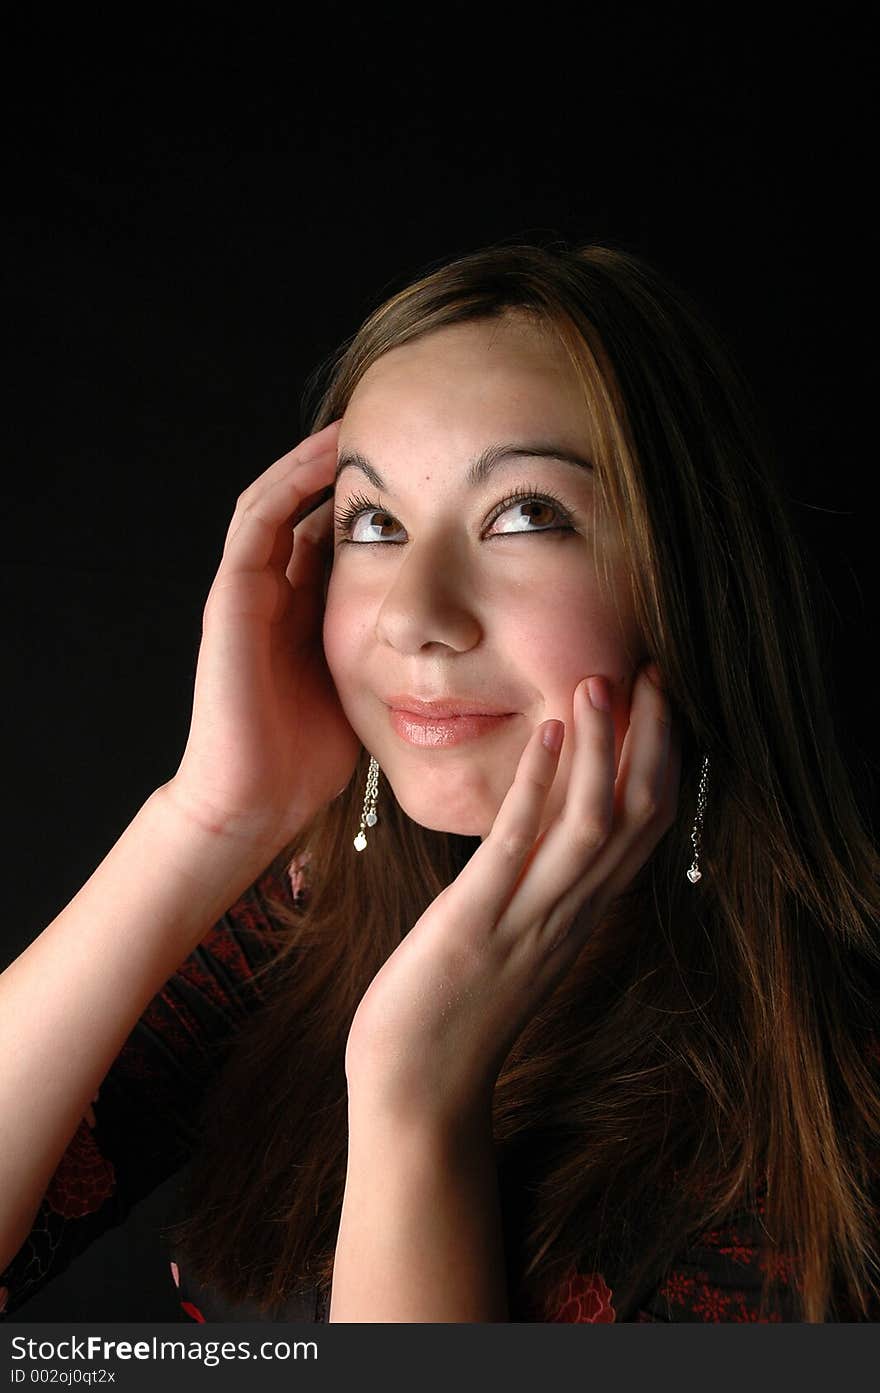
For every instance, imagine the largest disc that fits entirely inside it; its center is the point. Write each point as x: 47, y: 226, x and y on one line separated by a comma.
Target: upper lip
x: 445, y: 706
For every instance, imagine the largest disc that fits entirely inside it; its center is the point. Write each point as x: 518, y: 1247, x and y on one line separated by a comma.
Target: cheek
x: 342, y: 634
x: 565, y: 636
x: 348, y: 637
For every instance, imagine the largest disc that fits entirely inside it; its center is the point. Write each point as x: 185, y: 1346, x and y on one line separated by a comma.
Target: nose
x: 429, y: 600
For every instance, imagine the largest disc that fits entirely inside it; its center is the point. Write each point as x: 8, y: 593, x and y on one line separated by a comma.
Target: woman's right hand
x: 269, y: 742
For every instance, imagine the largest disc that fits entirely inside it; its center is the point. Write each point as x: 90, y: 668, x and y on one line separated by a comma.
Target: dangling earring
x: 694, y: 872
x: 368, y: 816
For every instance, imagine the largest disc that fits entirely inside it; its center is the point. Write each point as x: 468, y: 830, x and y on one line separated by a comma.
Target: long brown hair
x: 711, y: 1048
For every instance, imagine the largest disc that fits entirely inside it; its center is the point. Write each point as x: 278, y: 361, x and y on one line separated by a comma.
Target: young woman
x: 514, y: 769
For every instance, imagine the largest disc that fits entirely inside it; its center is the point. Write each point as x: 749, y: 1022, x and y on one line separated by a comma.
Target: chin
x: 465, y: 823
x: 461, y: 827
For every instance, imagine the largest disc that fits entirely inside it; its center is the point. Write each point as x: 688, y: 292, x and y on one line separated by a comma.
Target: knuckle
x: 514, y: 844
x: 644, y: 805
x: 591, y: 833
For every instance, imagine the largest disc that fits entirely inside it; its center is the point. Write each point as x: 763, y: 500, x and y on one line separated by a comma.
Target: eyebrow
x: 479, y: 469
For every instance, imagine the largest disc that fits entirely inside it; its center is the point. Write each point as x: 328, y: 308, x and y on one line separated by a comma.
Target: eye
x: 358, y: 506
x: 525, y: 497
x: 346, y: 517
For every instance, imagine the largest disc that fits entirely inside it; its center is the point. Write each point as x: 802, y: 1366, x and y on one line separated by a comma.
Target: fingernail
x: 598, y: 693
x: 653, y: 672
x: 552, y: 737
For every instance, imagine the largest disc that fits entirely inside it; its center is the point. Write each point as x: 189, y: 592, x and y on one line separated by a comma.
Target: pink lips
x: 444, y: 706
x: 437, y: 731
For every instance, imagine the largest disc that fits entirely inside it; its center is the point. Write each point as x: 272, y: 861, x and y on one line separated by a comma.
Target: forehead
x: 504, y: 370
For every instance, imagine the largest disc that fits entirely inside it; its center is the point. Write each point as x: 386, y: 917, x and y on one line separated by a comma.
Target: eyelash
x: 358, y: 504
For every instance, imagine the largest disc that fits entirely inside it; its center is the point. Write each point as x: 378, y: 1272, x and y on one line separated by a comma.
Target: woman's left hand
x: 431, y: 1034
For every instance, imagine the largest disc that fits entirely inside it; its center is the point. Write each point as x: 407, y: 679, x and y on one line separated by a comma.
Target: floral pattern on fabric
x: 140, y: 1132
x: 84, y: 1178
x: 139, y: 1127
x: 583, y: 1298
x: 720, y: 1276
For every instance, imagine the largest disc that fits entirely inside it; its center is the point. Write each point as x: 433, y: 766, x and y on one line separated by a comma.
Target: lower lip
x: 444, y: 730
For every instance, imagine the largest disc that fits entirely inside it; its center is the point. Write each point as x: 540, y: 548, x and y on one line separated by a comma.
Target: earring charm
x: 694, y: 872
x: 368, y: 816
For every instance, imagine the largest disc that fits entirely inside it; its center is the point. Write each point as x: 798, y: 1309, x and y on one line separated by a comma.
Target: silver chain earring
x: 694, y: 872
x: 368, y: 816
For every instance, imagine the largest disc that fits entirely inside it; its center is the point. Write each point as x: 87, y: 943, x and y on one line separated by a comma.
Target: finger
x: 309, y: 505
x: 644, y: 846
x: 644, y: 755
x: 312, y: 448
x: 259, y: 532
x: 316, y: 558
x: 641, y: 800
x: 314, y: 517
x: 489, y: 879
x: 296, y: 466
x: 575, y: 839
x: 311, y: 550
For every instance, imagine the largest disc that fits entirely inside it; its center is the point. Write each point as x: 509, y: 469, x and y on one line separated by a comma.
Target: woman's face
x: 438, y: 593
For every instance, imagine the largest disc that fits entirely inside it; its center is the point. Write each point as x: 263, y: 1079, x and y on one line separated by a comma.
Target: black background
x: 199, y: 210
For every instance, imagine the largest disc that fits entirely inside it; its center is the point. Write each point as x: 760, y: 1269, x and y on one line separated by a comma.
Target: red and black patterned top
x: 138, y: 1132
